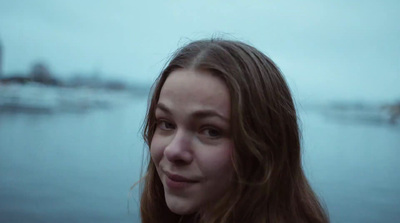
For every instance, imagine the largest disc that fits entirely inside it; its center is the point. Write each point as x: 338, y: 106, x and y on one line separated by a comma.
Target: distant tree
x: 40, y: 73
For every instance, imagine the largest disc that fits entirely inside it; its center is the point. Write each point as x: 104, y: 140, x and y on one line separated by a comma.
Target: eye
x: 165, y: 125
x: 212, y: 132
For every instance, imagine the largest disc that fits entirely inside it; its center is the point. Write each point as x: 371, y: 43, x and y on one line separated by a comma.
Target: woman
x: 224, y: 141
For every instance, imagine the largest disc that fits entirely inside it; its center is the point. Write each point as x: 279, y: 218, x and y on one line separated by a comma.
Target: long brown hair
x: 269, y: 185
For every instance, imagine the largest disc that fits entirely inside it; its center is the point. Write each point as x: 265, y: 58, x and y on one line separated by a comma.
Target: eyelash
x: 168, y: 126
x: 209, y: 129
x: 161, y: 123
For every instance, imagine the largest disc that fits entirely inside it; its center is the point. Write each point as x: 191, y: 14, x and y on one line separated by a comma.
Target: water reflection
x: 70, y: 167
x: 79, y: 166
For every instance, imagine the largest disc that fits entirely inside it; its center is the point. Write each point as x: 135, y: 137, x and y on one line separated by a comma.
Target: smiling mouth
x: 174, y: 181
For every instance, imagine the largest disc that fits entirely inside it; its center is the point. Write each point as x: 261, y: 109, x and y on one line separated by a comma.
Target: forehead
x: 197, y: 89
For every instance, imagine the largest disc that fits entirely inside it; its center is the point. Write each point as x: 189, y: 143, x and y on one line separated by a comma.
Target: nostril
x: 180, y: 162
x: 178, y: 155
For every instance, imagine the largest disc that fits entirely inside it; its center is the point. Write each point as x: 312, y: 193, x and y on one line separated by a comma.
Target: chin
x: 181, y: 209
x: 180, y: 212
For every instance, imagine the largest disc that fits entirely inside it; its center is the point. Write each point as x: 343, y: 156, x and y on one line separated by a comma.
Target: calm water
x: 79, y: 167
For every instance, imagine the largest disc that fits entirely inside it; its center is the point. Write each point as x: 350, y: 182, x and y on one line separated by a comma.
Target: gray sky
x: 326, y: 49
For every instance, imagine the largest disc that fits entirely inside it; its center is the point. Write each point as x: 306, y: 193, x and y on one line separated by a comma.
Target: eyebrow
x: 198, y: 114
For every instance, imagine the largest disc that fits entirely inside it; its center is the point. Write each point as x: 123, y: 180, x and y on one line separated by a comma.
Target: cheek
x: 218, y: 163
x: 156, y: 149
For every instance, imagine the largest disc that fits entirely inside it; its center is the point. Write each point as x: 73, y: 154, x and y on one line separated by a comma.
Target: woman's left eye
x: 212, y: 132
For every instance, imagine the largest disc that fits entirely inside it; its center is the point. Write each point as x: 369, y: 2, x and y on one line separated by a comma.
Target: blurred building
x: 40, y: 73
x: 1, y: 60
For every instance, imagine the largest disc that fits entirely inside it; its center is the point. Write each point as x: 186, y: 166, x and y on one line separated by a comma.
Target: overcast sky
x: 326, y: 49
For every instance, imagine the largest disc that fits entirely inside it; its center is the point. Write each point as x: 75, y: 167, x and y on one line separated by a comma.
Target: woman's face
x: 192, y: 145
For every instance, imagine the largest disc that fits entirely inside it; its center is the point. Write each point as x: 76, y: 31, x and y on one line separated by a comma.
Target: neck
x: 193, y: 218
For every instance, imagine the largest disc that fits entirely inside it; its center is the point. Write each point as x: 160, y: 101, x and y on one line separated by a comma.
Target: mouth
x: 175, y: 181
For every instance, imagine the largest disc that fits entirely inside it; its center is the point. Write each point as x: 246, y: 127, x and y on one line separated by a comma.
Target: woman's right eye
x: 165, y: 125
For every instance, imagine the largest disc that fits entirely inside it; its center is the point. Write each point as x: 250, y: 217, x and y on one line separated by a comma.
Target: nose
x: 178, y: 150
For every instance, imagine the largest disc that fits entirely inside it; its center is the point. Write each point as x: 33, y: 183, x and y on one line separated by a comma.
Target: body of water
x: 79, y: 167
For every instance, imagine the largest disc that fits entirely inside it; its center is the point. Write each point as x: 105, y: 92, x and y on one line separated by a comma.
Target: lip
x: 175, y: 181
